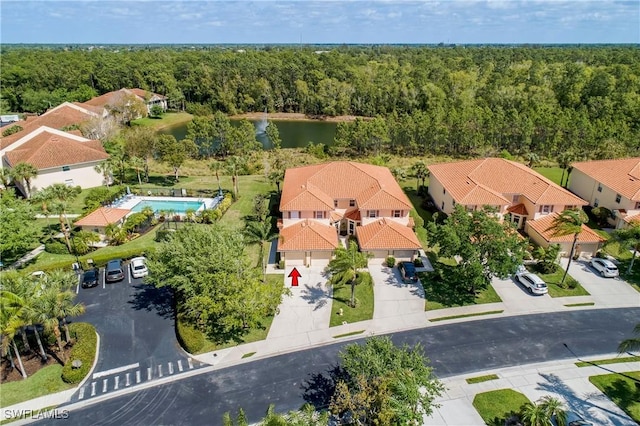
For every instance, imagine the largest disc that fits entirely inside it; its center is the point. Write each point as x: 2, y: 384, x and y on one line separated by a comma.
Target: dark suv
x: 408, y: 272
x: 114, y: 271
x: 90, y: 278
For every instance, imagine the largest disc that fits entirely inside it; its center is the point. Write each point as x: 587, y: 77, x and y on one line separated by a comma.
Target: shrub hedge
x: 55, y: 247
x: 191, y: 339
x: 84, y: 350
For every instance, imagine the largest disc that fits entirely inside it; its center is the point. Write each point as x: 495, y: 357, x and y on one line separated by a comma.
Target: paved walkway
x: 562, y: 379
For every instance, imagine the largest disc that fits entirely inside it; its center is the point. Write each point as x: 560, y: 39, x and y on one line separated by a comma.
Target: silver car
x: 605, y: 267
x: 533, y: 283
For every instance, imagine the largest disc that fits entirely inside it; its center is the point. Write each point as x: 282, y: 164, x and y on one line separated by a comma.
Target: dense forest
x: 453, y: 100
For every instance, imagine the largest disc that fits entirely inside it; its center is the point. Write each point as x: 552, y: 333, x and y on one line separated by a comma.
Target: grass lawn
x: 167, y: 119
x: 616, y: 360
x: 44, y: 382
x: 481, y: 379
x: 623, y: 391
x: 553, y: 281
x: 552, y: 173
x: 439, y: 296
x: 495, y: 406
x: 341, y: 297
x: 254, y: 334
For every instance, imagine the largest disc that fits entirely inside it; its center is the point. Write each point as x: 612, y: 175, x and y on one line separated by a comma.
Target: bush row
x: 191, y: 339
x: 84, y: 350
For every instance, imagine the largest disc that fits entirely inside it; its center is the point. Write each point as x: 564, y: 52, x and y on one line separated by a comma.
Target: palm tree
x: 233, y: 166
x: 534, y: 415
x: 631, y: 344
x: 569, y: 222
x: 11, y: 320
x: 564, y: 162
x: 629, y: 237
x: 5, y: 177
x: 43, y: 197
x: 105, y: 169
x: 399, y: 173
x: 62, y: 195
x: 137, y: 164
x: 554, y: 408
x: 420, y: 172
x: 115, y: 234
x: 532, y: 159
x: 58, y: 305
x: 260, y: 232
x: 216, y: 167
x: 23, y: 173
x: 345, y: 265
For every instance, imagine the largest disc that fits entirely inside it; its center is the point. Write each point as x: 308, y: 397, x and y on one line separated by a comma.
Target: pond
x: 294, y: 134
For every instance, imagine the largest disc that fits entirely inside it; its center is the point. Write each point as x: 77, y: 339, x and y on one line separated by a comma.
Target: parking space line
x: 160, y: 370
x: 117, y: 382
x: 104, y: 385
x: 180, y: 365
x: 170, y: 367
x: 81, y: 394
x: 115, y: 370
x: 148, y: 373
x: 93, y: 388
x: 104, y: 280
x: 78, y: 285
x: 128, y: 381
x: 129, y: 274
x: 138, y: 376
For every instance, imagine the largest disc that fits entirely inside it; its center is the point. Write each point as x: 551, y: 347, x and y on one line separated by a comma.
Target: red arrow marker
x: 294, y: 275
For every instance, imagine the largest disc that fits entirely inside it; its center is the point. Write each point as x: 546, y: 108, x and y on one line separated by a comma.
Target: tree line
x: 444, y: 100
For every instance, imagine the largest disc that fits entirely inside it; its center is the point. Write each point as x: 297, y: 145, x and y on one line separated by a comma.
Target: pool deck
x: 130, y: 202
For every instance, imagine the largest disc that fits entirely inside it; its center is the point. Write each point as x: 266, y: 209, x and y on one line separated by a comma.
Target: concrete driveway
x: 308, y: 308
x: 396, y: 304
x: 517, y: 299
x: 605, y: 292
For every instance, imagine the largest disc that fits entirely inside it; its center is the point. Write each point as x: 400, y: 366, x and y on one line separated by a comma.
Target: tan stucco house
x: 321, y: 202
x: 614, y: 184
x: 100, y: 104
x: 587, y: 244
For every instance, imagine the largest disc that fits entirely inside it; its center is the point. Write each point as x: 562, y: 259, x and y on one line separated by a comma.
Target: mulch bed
x: 32, y: 363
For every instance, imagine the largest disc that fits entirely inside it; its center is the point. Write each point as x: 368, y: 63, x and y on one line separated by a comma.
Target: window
x: 319, y: 215
x: 596, y: 202
x: 65, y: 168
x: 335, y: 204
x: 453, y: 203
x: 545, y: 209
x: 442, y: 207
x: 397, y: 213
x: 618, y: 198
x: 444, y: 191
x: 599, y: 187
x: 372, y: 213
x: 515, y: 198
x: 470, y: 208
x: 637, y: 205
x: 570, y: 207
x: 352, y: 203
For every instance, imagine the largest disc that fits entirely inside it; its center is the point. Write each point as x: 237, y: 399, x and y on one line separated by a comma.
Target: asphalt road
x: 292, y: 379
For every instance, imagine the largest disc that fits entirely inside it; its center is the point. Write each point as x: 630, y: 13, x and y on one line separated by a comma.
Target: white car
x: 533, y: 283
x: 138, y: 267
x: 605, y: 267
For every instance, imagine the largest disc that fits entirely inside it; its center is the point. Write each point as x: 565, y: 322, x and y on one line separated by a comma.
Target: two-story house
x: 518, y: 193
x: 614, y: 184
x: 321, y: 202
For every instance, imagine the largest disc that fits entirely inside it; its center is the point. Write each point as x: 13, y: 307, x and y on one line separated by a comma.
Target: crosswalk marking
x: 160, y: 370
x: 117, y: 382
x: 148, y: 373
x: 93, y: 388
x: 128, y: 381
x: 104, y: 385
x: 138, y: 376
x: 81, y: 394
x: 180, y: 364
x: 170, y: 368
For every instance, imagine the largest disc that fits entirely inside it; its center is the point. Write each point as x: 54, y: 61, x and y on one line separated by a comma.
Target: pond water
x: 294, y: 134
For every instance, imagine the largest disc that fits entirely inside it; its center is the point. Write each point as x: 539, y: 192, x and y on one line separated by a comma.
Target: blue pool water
x: 179, y: 207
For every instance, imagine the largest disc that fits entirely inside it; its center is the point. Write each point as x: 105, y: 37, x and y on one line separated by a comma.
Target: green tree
x: 629, y: 238
x: 484, y: 245
x: 542, y: 411
x: 632, y: 343
x: 345, y: 267
x: 24, y: 173
x: 568, y: 222
x: 138, y: 165
x: 62, y: 195
x: 11, y: 321
x: 116, y: 234
x: 232, y: 166
x: 564, y: 162
x: 174, y: 153
x: 261, y: 232
x: 386, y: 384
x: 156, y: 111
x: 83, y: 241
x: 18, y: 232
x: 420, y: 172
x: 274, y: 135
x: 532, y: 159
x: 105, y: 169
x: 216, y: 167
x: 5, y: 177
x: 140, y: 142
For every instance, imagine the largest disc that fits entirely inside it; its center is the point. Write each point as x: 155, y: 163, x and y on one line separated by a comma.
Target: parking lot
x: 135, y: 322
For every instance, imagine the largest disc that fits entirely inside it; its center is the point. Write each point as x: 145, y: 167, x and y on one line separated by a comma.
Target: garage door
x: 379, y: 256
x: 293, y: 258
x: 403, y: 254
x: 321, y: 258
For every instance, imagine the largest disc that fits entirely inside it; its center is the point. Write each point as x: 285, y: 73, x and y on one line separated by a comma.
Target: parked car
x: 408, y: 272
x: 114, y: 271
x: 605, y: 267
x: 533, y: 283
x: 91, y: 278
x: 573, y: 419
x: 138, y: 267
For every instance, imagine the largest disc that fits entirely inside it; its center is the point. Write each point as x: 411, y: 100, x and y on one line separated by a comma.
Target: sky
x: 320, y: 22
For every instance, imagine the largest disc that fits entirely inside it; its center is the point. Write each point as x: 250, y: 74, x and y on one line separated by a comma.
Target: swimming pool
x: 175, y: 206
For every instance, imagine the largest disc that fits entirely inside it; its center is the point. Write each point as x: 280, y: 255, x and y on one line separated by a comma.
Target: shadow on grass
x: 442, y: 288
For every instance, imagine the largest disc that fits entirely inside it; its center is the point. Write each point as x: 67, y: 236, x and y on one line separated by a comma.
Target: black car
x: 90, y: 278
x: 114, y: 271
x: 408, y: 272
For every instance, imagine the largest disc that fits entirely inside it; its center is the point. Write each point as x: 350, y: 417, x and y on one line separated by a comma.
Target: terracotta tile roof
x: 492, y: 180
x: 111, y: 98
x: 372, y: 187
x: 143, y: 94
x: 542, y: 225
x: 518, y: 209
x: 66, y: 114
x: 387, y: 234
x: 48, y: 148
x: 632, y: 219
x: 102, y: 217
x: 308, y: 235
x: 622, y: 176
